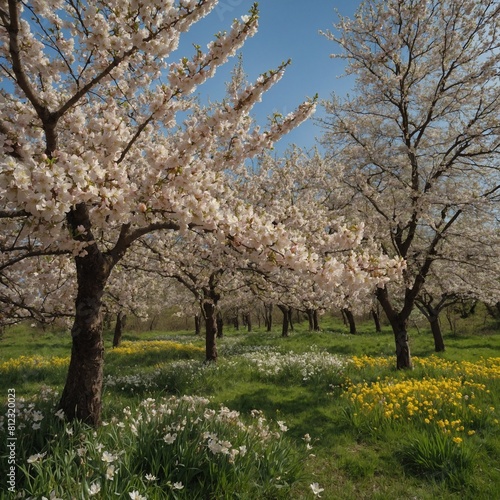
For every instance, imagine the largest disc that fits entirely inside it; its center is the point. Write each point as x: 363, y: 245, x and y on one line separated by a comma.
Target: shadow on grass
x: 305, y: 411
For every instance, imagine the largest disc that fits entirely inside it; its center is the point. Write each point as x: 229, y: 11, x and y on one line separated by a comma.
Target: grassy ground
x: 356, y: 453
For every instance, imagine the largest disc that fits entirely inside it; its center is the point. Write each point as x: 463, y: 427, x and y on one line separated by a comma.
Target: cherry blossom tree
x: 301, y: 190
x: 39, y: 289
x: 420, y: 137
x: 467, y: 268
x: 92, y: 158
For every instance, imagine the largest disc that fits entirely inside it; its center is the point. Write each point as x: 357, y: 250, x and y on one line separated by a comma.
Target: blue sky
x: 288, y: 29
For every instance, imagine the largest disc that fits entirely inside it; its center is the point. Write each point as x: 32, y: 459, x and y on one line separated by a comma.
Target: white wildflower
x: 316, y: 489
x: 108, y: 457
x: 135, y: 495
x: 95, y: 488
x: 110, y: 472
x: 36, y: 457
x: 170, y: 438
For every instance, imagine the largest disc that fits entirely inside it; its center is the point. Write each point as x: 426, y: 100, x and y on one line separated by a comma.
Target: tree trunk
x: 121, y: 320
x: 376, y: 319
x: 286, y: 320
x: 436, y: 333
x: 344, y: 319
x: 310, y: 319
x: 236, y: 320
x: 290, y: 316
x: 81, y: 396
x: 249, y: 322
x: 350, y: 320
x: 399, y: 325
x: 197, y: 324
x: 431, y: 312
x: 220, y: 325
x: 316, y: 327
x: 268, y: 312
x: 210, y: 331
x: 403, y: 357
x: 106, y: 322
x: 153, y: 322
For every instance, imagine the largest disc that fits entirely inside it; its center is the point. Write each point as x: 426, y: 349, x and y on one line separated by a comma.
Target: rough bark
x: 81, y: 396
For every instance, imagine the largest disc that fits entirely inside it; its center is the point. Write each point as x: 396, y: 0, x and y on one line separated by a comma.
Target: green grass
x: 352, y: 457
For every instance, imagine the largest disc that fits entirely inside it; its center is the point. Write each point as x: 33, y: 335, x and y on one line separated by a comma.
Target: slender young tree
x: 419, y: 138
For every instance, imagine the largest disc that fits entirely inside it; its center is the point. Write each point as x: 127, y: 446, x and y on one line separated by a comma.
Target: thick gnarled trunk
x: 81, y: 396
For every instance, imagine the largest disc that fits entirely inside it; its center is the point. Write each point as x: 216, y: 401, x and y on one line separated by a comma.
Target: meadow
x: 316, y: 415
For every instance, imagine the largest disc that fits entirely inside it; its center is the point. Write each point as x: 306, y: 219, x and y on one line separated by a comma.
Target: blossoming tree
x: 91, y: 156
x: 420, y: 138
x: 94, y: 158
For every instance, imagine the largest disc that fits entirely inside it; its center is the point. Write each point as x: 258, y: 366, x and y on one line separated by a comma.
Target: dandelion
x: 316, y: 489
x: 95, y: 488
x: 135, y: 495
